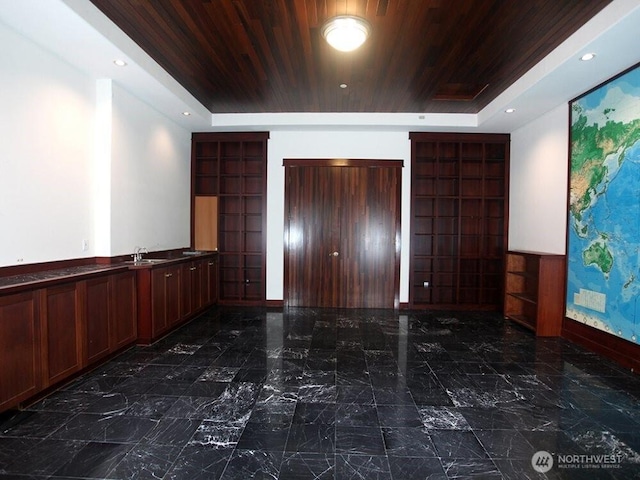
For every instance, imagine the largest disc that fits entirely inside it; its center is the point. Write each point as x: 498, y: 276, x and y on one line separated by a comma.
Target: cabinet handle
x: 334, y: 254
x: 167, y: 275
x: 211, y: 264
x: 193, y: 268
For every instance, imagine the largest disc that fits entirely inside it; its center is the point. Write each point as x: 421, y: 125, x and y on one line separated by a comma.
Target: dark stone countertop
x: 13, y: 283
x: 40, y: 279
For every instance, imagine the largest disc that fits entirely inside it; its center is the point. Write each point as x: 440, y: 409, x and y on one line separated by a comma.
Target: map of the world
x: 603, y: 256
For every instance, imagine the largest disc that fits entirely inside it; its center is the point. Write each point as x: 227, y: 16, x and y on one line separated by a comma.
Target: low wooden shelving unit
x: 534, y: 291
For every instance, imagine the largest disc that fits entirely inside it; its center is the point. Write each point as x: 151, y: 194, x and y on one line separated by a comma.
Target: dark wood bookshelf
x: 534, y: 291
x: 233, y: 167
x: 459, y: 211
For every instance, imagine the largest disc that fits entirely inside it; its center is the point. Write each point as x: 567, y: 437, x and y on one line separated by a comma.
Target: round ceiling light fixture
x: 346, y: 32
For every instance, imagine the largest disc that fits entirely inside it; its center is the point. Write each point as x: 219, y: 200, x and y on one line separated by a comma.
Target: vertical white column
x: 102, y: 167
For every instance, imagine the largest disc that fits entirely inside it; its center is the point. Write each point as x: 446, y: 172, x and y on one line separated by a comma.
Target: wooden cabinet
x: 20, y: 349
x: 211, y: 280
x: 201, y: 297
x: 193, y: 286
x: 123, y: 321
x: 54, y: 328
x: 166, y: 299
x: 170, y: 294
x: 48, y: 334
x: 62, y: 344
x: 110, y: 314
x: 97, y: 319
x: 458, y: 219
x: 534, y: 291
x: 232, y: 167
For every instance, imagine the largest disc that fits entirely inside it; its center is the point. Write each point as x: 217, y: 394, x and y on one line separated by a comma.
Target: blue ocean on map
x: 615, y: 216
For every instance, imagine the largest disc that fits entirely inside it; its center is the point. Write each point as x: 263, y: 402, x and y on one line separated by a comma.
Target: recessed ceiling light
x: 120, y: 63
x: 343, y: 85
x: 510, y: 110
x: 588, y: 56
x: 186, y: 114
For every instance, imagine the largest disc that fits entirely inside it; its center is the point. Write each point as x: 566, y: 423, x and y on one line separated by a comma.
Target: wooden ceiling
x: 423, y: 56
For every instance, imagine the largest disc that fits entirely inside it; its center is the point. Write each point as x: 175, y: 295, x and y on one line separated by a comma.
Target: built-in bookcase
x: 458, y: 219
x: 232, y: 167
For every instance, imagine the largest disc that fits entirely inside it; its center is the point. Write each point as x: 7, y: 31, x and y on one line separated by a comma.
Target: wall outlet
x: 85, y: 245
x: 19, y: 260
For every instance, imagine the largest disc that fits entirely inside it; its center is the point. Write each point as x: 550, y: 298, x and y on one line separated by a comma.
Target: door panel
x: 313, y: 235
x: 368, y: 237
x: 342, y: 236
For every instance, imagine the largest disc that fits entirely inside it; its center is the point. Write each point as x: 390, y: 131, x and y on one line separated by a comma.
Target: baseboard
x: 274, y: 304
x: 617, y: 349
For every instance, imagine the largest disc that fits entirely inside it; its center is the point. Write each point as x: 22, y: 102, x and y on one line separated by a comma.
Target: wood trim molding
x: 274, y: 303
x: 617, y: 349
x: 229, y: 136
x: 341, y: 162
x: 459, y: 137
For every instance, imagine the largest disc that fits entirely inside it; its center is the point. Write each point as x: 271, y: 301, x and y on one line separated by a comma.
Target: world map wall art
x: 603, y: 244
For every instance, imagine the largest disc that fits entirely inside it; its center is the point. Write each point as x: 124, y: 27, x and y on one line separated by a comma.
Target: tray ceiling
x: 432, y: 56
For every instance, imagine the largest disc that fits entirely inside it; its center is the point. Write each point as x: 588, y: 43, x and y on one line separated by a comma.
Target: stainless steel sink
x: 146, y: 261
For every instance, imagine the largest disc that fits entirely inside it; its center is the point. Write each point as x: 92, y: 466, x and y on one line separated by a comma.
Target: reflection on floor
x: 325, y: 394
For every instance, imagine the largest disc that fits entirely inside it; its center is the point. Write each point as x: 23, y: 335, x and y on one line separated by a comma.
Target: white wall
x: 538, y: 184
x: 48, y: 197
x: 45, y: 155
x: 151, y: 178
x: 329, y: 144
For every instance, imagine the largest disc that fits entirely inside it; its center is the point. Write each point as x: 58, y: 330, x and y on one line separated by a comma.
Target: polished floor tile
x: 335, y: 394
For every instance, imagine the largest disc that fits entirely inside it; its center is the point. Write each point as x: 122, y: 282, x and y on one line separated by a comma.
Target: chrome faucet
x: 137, y: 253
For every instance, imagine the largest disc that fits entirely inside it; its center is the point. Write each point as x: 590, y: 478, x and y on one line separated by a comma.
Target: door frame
x: 346, y: 163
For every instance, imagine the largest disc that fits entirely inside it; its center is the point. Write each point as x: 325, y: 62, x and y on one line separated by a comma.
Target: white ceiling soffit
x: 79, y: 33
x: 613, y: 35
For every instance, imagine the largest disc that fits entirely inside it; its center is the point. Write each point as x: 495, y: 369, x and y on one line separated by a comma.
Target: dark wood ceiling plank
x: 269, y: 56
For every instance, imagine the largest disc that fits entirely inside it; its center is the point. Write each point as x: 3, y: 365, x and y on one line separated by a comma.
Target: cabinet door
x: 97, y: 311
x: 211, y: 293
x: 123, y: 310
x: 166, y: 298
x: 194, y: 285
x: 187, y: 271
x: 173, y: 295
x: 19, y: 349
x: 61, y: 341
x: 199, y: 285
x: 158, y: 301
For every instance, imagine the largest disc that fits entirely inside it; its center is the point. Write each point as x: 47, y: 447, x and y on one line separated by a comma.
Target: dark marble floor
x: 335, y: 394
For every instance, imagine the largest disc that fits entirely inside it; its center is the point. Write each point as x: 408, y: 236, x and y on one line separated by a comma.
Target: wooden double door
x: 342, y: 233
